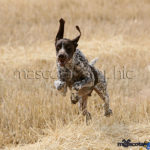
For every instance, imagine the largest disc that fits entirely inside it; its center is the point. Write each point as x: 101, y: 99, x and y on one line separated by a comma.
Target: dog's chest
x: 74, y: 70
x: 65, y: 74
x: 70, y: 73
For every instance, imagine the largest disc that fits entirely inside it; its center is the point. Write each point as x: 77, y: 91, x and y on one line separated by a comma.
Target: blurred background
x: 30, y: 22
x: 33, y: 112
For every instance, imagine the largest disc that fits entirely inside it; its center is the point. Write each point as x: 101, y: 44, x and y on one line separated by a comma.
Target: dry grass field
x: 33, y: 115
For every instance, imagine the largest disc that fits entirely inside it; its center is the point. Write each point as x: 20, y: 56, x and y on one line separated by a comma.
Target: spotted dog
x: 77, y: 74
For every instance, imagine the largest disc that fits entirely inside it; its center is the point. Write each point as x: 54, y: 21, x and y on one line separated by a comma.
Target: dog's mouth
x: 62, y: 62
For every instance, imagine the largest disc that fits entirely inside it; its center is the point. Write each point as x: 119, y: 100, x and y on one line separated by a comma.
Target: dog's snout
x: 62, y: 56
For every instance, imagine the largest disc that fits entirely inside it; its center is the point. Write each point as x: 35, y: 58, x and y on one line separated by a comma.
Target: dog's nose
x: 61, y: 56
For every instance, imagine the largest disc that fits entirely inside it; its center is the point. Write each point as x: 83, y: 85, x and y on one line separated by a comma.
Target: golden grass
x: 32, y: 111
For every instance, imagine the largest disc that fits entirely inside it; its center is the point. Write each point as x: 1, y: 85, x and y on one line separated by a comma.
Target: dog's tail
x: 93, y: 61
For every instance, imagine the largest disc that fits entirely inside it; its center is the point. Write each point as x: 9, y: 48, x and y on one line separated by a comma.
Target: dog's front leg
x: 83, y: 107
x: 61, y: 86
x: 74, y: 96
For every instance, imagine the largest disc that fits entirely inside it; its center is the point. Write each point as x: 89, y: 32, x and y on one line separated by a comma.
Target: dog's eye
x: 68, y: 49
x: 58, y: 48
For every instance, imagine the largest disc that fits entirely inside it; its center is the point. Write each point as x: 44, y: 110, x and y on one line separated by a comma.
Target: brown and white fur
x: 77, y: 74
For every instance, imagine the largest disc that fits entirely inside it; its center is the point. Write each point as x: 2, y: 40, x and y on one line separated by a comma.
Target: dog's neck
x: 70, y: 63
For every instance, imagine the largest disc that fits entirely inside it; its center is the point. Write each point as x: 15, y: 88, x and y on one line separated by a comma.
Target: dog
x: 76, y: 73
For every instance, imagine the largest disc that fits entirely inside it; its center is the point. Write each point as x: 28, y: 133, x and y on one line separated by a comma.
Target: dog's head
x: 65, y: 48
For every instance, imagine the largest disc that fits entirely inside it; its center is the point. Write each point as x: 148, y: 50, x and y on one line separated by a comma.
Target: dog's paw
x: 77, y: 86
x: 74, y: 98
x: 59, y: 84
x: 108, y: 113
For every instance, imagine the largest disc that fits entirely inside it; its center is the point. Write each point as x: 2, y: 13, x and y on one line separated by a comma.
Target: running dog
x: 76, y: 73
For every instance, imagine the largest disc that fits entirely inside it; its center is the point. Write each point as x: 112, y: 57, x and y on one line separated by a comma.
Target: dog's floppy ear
x: 75, y: 41
x: 60, y: 33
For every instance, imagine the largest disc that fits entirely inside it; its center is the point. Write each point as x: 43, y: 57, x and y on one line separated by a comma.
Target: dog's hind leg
x: 83, y: 108
x: 101, y: 90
